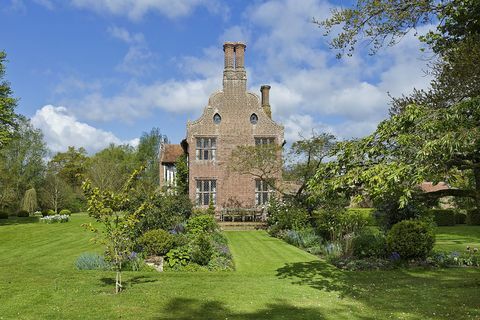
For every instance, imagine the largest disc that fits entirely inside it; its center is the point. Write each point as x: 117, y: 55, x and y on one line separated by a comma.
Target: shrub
x: 411, y: 239
x: 201, y: 224
x: 365, y: 213
x: 443, y: 217
x: 91, y: 261
x: 166, y: 211
x: 370, y: 242
x: 44, y: 213
x: 388, y: 211
x: 156, y: 242
x: 335, y: 224
x: 23, y: 214
x: 473, y: 217
x: 305, y: 238
x: 65, y: 212
x: 50, y: 212
x: 286, y: 216
x: 460, y: 218
x: 3, y: 215
x: 202, y: 250
x: 220, y: 264
x: 178, y: 257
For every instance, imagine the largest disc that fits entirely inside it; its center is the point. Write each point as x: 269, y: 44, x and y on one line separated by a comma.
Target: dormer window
x: 253, y: 118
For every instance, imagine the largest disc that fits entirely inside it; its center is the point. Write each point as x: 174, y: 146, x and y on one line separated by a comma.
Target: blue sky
x: 93, y: 72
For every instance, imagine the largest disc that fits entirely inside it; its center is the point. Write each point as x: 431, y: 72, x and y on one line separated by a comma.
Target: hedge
x: 473, y: 217
x: 443, y: 217
x: 3, y: 215
x: 460, y: 218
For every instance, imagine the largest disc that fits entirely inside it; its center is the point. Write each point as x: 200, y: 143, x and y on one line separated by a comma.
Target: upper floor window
x: 206, y: 148
x: 264, y: 140
x: 254, y: 118
x: 217, y: 118
x: 206, y: 192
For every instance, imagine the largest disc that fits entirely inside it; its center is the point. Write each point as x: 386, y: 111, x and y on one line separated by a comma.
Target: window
x: 206, y: 148
x: 169, y: 172
x: 254, y: 118
x: 262, y: 192
x: 206, y: 191
x: 264, y: 140
x: 217, y: 118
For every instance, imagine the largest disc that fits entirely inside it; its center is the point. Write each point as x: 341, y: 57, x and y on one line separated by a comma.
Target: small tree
x: 116, y: 213
x: 29, y: 202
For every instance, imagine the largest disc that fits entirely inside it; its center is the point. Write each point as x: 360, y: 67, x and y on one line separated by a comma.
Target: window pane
x: 206, y: 199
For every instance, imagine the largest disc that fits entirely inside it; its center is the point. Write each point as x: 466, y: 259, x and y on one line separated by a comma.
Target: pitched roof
x: 430, y: 187
x: 170, y: 153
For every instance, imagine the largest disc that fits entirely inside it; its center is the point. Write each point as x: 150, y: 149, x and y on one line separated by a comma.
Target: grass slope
x: 273, y: 280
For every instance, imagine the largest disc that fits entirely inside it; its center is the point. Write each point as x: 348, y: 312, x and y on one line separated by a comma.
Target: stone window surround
x: 211, y: 150
x: 262, y: 192
x: 200, y: 191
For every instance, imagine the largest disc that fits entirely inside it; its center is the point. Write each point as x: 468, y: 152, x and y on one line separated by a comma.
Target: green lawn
x: 457, y: 238
x: 273, y: 280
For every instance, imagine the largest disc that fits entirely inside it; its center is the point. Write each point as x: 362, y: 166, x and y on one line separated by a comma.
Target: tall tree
x: 414, y: 146
x: 148, y: 153
x: 7, y: 106
x: 22, y: 163
x: 111, y: 167
x: 72, y: 165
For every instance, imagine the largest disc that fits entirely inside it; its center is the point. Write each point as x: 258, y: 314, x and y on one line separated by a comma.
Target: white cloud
x: 136, y: 9
x: 139, y: 59
x: 62, y: 130
x: 138, y: 100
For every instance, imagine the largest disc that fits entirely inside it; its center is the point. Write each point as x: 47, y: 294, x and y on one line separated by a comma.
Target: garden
x: 272, y: 280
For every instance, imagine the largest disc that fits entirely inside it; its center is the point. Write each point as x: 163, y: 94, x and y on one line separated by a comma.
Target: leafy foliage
x: 443, y: 217
x: 201, y: 224
x: 91, y: 261
x: 409, y: 148
x: 473, y: 217
x: 114, y: 212
x: 156, y: 242
x: 165, y: 211
x: 370, y: 242
x: 411, y: 239
x: 29, y: 202
x: 181, y: 182
x: 7, y: 106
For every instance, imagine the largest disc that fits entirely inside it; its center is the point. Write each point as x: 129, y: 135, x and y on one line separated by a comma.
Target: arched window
x: 217, y: 118
x: 253, y: 118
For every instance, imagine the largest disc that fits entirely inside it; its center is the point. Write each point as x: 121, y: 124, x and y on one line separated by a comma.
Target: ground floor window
x: 262, y: 192
x: 206, y: 191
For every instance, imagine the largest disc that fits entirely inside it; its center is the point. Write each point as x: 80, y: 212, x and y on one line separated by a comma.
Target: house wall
x: 235, y: 106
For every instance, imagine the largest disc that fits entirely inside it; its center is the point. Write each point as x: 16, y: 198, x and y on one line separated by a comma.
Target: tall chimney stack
x: 228, y: 48
x: 265, y: 90
x: 234, y: 74
x: 240, y: 55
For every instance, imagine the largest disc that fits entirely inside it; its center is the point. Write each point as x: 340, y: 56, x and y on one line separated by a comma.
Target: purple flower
x: 395, y: 256
x: 133, y: 255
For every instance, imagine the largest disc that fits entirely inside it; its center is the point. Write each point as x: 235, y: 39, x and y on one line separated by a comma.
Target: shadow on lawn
x: 408, y: 291
x: 318, y: 275
x: 183, y: 309
x: 18, y: 220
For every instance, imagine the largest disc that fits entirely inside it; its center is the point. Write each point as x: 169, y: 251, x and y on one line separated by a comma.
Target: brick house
x: 232, y: 117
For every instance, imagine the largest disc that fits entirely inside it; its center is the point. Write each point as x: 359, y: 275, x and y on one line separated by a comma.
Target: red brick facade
x: 232, y: 117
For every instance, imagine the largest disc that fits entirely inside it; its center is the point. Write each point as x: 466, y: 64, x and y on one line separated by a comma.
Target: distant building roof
x: 170, y: 153
x: 430, y: 187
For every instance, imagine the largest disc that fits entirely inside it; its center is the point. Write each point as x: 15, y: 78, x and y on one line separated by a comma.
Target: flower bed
x: 58, y: 218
